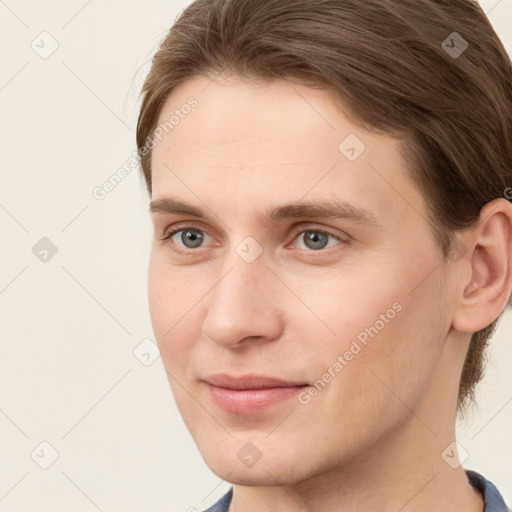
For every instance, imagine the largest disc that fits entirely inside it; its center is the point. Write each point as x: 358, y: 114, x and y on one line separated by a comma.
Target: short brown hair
x: 433, y: 71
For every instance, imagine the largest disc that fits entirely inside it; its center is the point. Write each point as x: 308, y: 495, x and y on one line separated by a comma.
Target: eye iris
x: 316, y: 239
x: 194, y: 237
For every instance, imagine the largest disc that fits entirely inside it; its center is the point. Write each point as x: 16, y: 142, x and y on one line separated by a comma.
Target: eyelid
x: 176, y: 228
x: 319, y: 228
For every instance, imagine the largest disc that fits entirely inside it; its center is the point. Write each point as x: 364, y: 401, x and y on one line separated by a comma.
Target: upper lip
x: 251, y: 381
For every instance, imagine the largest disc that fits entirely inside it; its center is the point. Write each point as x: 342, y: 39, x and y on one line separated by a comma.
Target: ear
x: 484, y: 273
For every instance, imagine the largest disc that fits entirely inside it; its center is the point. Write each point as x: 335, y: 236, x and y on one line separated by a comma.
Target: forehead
x: 276, y: 140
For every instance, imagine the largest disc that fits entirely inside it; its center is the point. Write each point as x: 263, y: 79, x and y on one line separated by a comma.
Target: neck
x: 404, y: 473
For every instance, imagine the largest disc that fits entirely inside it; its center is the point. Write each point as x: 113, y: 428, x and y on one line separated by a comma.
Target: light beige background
x: 70, y: 325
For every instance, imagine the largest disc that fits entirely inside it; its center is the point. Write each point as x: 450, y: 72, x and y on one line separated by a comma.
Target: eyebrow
x: 319, y: 210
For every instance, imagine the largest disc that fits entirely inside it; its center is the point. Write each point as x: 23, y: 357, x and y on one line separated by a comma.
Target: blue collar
x: 494, y: 502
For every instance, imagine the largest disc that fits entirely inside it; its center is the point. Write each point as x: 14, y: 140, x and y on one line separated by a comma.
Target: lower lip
x: 250, y: 401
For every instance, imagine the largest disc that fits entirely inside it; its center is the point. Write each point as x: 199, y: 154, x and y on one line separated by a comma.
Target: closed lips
x: 250, y: 382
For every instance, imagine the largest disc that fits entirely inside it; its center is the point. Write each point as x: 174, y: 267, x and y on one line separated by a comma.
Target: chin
x: 267, y: 471
x: 261, y: 477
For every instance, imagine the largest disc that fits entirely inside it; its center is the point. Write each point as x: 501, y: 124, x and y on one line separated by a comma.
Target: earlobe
x: 486, y: 291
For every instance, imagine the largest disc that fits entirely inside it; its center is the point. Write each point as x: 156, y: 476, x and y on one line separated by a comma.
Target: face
x: 347, y: 306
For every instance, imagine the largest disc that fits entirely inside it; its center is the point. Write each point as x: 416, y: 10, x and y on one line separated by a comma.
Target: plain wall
x: 70, y: 325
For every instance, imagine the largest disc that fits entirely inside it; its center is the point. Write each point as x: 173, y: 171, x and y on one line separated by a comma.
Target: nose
x: 244, y: 305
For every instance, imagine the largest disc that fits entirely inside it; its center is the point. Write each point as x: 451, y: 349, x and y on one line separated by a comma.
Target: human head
x: 388, y: 62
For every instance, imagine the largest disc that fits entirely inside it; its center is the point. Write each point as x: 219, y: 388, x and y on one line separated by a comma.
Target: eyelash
x: 297, y: 232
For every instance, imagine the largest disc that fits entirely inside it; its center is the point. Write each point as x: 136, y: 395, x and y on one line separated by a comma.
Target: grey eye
x: 191, y: 238
x: 315, y: 239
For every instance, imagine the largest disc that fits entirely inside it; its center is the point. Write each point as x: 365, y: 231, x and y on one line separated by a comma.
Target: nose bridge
x: 243, y: 303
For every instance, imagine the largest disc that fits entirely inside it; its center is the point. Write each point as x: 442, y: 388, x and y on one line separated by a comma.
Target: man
x: 332, y: 244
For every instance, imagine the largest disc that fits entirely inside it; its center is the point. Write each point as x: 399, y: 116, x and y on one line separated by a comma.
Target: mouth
x: 250, y: 394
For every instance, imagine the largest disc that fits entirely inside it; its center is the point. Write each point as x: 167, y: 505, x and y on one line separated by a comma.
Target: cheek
x: 172, y: 292
x: 348, y: 305
x: 376, y: 385
x: 161, y: 295
x: 388, y: 332
x: 171, y: 311
x: 398, y: 359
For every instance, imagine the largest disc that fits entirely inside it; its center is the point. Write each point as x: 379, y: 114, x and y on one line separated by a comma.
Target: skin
x: 389, y: 414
